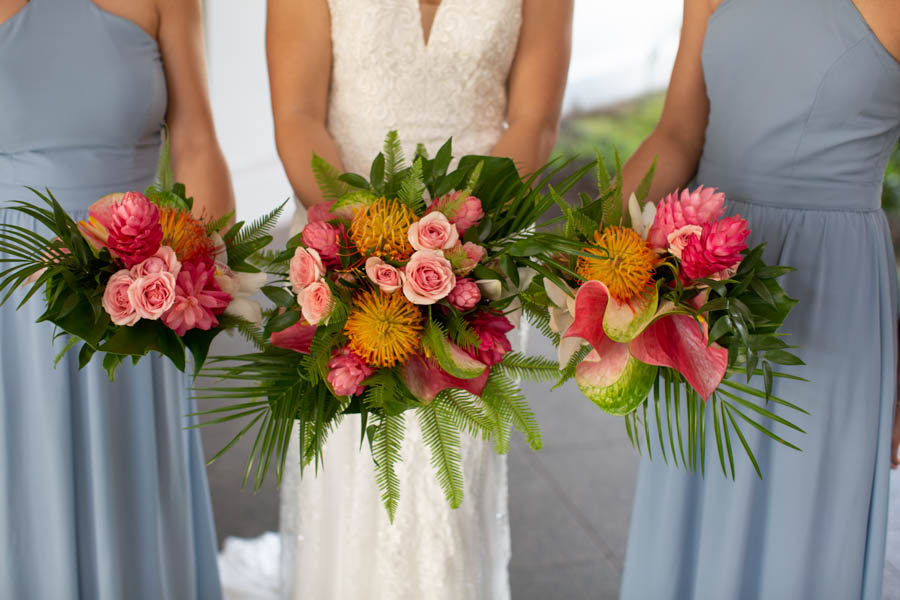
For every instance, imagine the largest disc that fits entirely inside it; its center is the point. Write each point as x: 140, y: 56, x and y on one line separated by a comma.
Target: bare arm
x: 537, y: 83
x: 196, y: 157
x: 678, y: 138
x: 298, y: 44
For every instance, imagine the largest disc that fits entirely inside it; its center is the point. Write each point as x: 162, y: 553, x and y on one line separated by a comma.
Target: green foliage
x: 387, y: 441
x: 440, y: 431
x: 326, y: 176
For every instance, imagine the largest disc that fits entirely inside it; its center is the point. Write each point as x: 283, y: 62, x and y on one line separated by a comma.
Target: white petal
x: 567, y: 349
x: 221, y: 248
x: 557, y: 295
x: 250, y: 283
x: 634, y: 210
x: 245, y: 309
x: 490, y: 289
x: 514, y: 313
x: 526, y: 276
x: 560, y: 319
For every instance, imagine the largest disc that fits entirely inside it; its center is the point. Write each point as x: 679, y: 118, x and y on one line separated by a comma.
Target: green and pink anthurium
x: 448, y: 367
x: 631, y: 340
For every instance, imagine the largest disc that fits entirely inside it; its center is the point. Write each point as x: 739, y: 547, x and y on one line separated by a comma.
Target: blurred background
x: 570, y: 504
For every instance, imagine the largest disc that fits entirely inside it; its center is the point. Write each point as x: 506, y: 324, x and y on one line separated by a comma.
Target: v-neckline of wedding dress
x: 426, y: 37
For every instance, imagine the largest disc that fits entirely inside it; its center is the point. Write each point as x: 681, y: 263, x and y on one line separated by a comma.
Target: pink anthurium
x: 629, y: 343
x: 426, y: 379
x: 298, y: 337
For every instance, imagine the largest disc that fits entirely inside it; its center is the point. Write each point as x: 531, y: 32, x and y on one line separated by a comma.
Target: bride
x: 491, y: 74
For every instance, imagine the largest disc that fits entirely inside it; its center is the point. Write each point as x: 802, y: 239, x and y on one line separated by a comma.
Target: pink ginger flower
x: 346, y: 373
x: 491, y: 328
x: 718, y: 248
x: 463, y: 211
x: 698, y: 207
x: 465, y: 295
x: 198, y: 299
x: 324, y: 238
x: 134, y: 229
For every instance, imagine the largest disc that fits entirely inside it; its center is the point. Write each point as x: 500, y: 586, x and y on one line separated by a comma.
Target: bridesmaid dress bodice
x: 97, y: 82
x: 814, y: 115
x: 385, y: 76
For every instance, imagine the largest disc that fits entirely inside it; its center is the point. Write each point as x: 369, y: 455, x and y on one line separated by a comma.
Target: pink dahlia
x: 698, y: 207
x: 134, y: 229
x: 324, y: 238
x: 717, y: 249
x: 346, y: 373
x: 491, y: 328
x: 463, y: 211
x: 465, y: 295
x: 198, y: 299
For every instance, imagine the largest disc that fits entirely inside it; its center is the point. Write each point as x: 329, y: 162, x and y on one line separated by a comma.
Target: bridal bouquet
x: 663, y: 299
x: 398, y: 296
x: 141, y: 274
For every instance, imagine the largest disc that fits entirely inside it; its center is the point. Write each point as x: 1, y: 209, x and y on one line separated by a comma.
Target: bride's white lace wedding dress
x: 337, y: 541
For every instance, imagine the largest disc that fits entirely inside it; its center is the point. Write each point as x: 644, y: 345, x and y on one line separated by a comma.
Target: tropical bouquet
x: 399, y: 296
x: 669, y: 299
x: 141, y: 275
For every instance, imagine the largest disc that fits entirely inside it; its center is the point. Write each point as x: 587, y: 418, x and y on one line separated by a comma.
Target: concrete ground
x: 570, y: 504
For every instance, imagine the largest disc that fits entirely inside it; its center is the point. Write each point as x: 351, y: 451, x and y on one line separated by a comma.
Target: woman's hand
x: 537, y: 82
x: 197, y: 159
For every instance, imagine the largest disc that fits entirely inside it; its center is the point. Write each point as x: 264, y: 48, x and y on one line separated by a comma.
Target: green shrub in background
x: 625, y: 126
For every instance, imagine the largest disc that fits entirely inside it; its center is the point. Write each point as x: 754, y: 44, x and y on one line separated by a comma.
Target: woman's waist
x: 77, y: 177
x: 800, y: 193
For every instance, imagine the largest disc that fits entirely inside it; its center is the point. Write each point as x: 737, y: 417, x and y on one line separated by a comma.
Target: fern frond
x: 440, y: 431
x: 165, y: 178
x: 532, y: 368
x: 461, y: 333
x: 262, y: 226
x: 413, y: 188
x: 468, y: 412
x: 386, y: 445
x: 326, y: 176
x: 393, y: 156
x: 520, y: 412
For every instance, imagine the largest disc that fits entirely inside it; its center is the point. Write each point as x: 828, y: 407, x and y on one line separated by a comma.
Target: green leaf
x: 376, y: 173
x: 326, y: 176
x: 440, y: 432
x: 393, y: 156
x: 643, y: 190
x: 283, y: 321
x: 443, y: 158
x: 412, y: 189
x: 387, y: 442
x: 279, y: 296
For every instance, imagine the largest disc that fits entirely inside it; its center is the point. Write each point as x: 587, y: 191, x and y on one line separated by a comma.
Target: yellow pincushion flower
x: 384, y: 329
x: 381, y: 229
x: 625, y: 263
x: 184, y: 234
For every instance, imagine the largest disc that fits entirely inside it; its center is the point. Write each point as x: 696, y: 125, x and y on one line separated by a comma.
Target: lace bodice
x: 385, y: 77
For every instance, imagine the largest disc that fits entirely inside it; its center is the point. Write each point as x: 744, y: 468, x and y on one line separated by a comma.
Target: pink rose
x: 116, y: 302
x: 306, y: 268
x: 152, y: 295
x: 679, y: 238
x: 323, y: 238
x: 315, y: 302
x: 433, y: 232
x: 465, y: 295
x: 427, y: 277
x: 463, y: 211
x: 383, y: 275
x: 346, y: 373
x: 163, y: 261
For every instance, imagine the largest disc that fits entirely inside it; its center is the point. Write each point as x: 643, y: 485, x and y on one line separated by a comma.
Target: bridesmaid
x: 792, y: 109
x: 104, y: 491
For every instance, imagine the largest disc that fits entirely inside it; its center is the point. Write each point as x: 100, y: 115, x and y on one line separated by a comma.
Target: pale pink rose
x: 306, y: 268
x: 383, y: 275
x: 465, y: 257
x: 433, y: 232
x: 427, y: 278
x: 346, y: 373
x: 465, y: 295
x: 315, y: 302
x: 152, y: 295
x: 116, y: 302
x: 679, y: 238
x: 163, y: 261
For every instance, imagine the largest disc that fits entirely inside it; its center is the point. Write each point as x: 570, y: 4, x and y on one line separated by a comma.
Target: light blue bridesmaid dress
x: 103, y: 493
x: 805, y: 111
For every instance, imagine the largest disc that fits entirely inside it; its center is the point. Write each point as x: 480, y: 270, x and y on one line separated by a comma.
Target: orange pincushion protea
x: 185, y: 235
x: 625, y: 263
x: 382, y: 229
x: 384, y: 329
